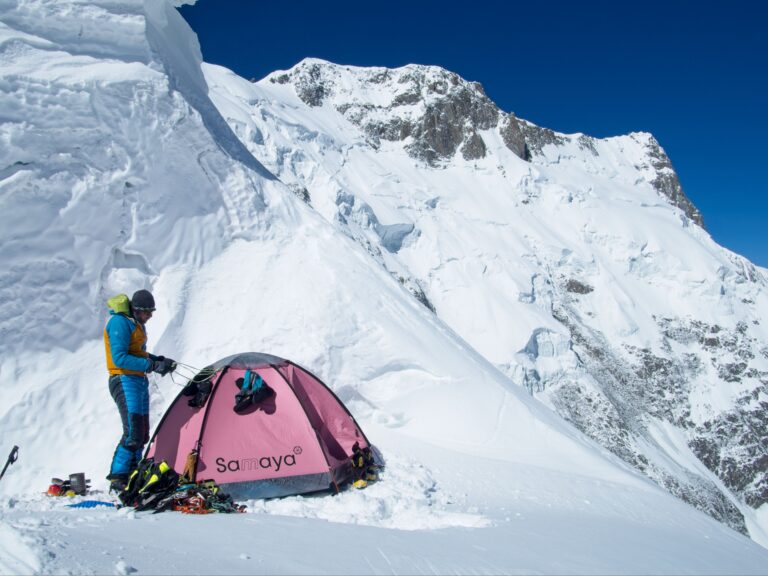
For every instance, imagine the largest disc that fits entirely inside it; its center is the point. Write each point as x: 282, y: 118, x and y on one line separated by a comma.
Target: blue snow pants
x: 131, y: 394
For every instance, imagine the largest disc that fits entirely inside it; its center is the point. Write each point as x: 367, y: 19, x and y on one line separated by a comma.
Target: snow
x: 493, y: 242
x: 118, y: 171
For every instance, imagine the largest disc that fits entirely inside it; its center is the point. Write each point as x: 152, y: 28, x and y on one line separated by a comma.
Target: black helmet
x: 143, y: 300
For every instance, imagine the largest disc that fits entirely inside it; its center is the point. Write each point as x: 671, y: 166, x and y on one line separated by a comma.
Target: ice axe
x: 12, y: 457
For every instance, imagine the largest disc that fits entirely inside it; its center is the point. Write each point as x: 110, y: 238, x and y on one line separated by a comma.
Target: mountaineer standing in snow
x: 125, y: 341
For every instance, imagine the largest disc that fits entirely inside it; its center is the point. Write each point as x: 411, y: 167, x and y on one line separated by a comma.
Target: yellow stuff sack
x: 119, y: 304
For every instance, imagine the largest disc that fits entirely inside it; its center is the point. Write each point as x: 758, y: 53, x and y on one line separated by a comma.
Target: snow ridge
x: 517, y: 236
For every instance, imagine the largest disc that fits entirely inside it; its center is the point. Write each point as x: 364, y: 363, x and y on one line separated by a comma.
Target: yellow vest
x: 135, y: 348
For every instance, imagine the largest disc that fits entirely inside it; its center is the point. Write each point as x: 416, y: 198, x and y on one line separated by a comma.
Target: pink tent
x: 298, y: 439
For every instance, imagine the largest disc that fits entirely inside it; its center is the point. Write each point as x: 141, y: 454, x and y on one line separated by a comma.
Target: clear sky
x: 692, y: 73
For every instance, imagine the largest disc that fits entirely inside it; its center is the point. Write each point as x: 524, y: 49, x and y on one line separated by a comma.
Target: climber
x: 125, y: 341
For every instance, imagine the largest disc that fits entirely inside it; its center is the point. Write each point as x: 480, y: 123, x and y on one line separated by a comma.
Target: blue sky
x: 694, y: 74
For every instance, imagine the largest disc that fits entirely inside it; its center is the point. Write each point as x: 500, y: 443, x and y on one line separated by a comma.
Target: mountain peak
x: 513, y: 233
x: 437, y: 114
x: 433, y: 111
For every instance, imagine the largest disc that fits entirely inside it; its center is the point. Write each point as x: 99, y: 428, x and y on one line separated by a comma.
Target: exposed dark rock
x: 380, y: 77
x: 422, y: 297
x: 513, y: 137
x: 406, y: 99
x: 730, y: 350
x: 733, y: 446
x: 355, y: 113
x: 594, y: 414
x: 474, y: 147
x: 281, y: 79
x: 536, y: 138
x: 417, y: 291
x: 301, y: 192
x: 394, y: 130
x: 732, y: 371
x: 587, y: 143
x: 454, y: 112
x: 577, y: 287
x: 310, y: 86
x: 703, y: 495
x: 449, y: 121
x: 663, y: 384
x: 668, y: 184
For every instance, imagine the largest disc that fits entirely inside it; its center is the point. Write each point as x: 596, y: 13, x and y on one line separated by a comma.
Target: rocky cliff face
x: 440, y: 114
x: 625, y: 395
x: 576, y: 265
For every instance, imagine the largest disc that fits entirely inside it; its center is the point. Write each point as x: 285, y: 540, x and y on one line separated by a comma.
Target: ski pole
x: 12, y: 457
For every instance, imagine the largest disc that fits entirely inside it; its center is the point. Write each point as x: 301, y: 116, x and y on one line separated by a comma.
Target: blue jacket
x: 125, y: 344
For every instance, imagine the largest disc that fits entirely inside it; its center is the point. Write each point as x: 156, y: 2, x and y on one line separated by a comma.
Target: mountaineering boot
x: 118, y: 482
x: 253, y: 389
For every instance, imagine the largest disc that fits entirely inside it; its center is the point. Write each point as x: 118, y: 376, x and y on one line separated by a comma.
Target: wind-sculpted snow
x: 109, y: 165
x: 525, y: 240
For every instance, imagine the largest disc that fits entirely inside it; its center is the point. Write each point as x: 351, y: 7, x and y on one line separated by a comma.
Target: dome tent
x: 298, y: 439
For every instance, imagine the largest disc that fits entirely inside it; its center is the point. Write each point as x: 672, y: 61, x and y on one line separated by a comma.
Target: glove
x: 163, y: 366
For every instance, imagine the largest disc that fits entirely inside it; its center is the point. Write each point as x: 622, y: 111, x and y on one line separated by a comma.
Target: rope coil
x: 189, y: 373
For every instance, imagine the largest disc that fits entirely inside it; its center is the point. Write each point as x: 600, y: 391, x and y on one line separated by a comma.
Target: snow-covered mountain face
x: 575, y: 265
x: 119, y: 173
x: 427, y: 290
x: 85, y: 184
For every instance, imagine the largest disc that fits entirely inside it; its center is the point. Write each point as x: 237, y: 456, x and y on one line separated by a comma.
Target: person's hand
x: 163, y: 366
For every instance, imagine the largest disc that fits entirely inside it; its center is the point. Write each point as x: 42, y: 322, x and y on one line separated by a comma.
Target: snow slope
x: 117, y: 172
x: 577, y: 266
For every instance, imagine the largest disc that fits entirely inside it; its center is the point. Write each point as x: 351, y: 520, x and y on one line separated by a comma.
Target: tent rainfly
x: 297, y: 439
